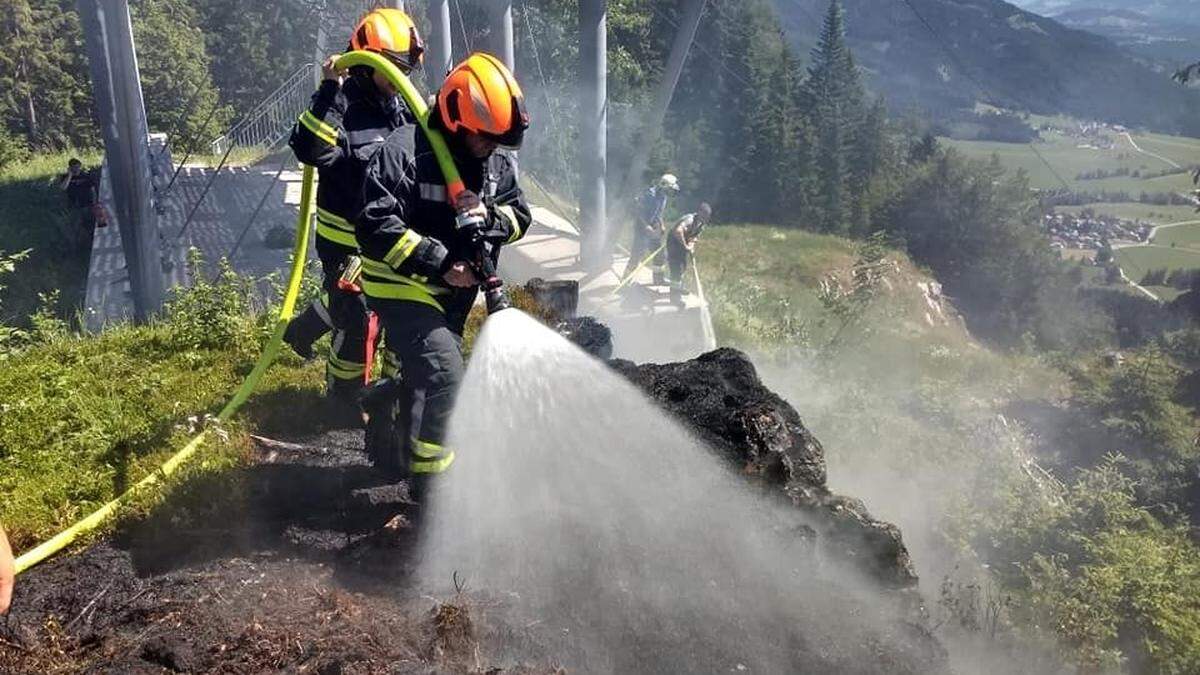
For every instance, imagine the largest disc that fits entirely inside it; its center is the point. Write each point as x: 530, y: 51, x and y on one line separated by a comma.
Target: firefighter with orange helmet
x: 417, y: 257
x: 350, y: 117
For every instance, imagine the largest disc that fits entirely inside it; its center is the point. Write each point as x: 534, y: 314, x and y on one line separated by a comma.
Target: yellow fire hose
x: 629, y: 277
x: 418, y: 106
x: 299, y: 256
x: 454, y: 186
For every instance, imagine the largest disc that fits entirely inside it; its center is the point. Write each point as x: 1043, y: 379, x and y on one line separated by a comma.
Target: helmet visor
x: 515, y: 135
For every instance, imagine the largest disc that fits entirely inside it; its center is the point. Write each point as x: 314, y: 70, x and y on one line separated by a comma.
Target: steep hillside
x: 1021, y: 60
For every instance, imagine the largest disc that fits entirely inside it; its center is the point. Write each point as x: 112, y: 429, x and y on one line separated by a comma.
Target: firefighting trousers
x: 427, y: 343
x: 342, y: 313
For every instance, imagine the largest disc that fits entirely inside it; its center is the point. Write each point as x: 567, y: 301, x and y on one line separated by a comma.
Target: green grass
x: 1067, y: 159
x: 1180, y: 149
x: 1186, y: 236
x: 1159, y: 215
x: 86, y: 417
x: 34, y: 215
x: 1138, y: 260
x: 753, y: 275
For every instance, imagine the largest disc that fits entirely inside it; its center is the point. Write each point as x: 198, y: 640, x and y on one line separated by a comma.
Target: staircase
x: 272, y: 120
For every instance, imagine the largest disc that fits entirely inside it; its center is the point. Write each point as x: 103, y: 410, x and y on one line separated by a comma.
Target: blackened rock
x: 170, y: 653
x: 560, y: 298
x: 589, y: 334
x: 721, y: 398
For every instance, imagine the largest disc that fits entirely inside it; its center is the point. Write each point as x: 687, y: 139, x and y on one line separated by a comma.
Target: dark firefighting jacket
x: 406, y: 230
x: 337, y: 135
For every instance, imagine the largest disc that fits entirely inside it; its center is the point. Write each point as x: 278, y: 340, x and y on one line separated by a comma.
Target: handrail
x: 270, y: 120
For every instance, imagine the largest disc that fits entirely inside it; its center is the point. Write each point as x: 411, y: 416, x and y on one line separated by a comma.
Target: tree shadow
x: 311, y: 500
x: 295, y: 412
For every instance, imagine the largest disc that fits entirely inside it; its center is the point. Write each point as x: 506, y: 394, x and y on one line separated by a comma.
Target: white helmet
x: 669, y: 182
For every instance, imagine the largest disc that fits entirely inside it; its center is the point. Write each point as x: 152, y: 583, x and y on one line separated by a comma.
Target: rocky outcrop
x: 720, y: 397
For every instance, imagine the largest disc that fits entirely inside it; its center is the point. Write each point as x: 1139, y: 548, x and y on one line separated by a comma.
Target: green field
x: 1184, y: 236
x: 1179, y: 149
x: 1138, y: 260
x: 1068, y: 160
x: 1151, y: 213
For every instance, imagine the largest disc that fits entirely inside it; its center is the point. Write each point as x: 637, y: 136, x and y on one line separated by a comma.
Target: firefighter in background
x: 649, y: 225
x: 349, y: 119
x: 681, y: 245
x: 418, y: 272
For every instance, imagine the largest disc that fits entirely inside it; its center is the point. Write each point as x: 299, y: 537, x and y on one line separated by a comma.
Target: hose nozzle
x: 495, y: 296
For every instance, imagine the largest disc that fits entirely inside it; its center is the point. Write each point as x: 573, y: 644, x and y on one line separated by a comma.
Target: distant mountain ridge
x: 1022, y: 60
x: 1167, y: 10
x: 1167, y: 35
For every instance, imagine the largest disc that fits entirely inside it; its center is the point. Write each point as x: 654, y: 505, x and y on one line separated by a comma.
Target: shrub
x: 12, y: 149
x: 211, y: 314
x: 1109, y: 578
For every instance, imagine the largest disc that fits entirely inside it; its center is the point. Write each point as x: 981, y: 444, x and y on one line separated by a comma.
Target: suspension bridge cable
x: 207, y: 186
x: 258, y: 209
x: 462, y: 25
x: 220, y: 165
x: 187, y: 110
x: 982, y: 88
x: 555, y: 122
x: 189, y: 144
x: 699, y: 45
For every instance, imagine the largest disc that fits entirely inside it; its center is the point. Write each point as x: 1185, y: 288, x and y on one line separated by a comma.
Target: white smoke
x: 611, y: 524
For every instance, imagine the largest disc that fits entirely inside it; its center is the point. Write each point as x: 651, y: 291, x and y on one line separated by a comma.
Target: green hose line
x: 629, y: 277
x: 418, y: 106
x: 91, y: 522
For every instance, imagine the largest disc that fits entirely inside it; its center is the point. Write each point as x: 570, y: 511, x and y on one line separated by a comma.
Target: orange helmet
x: 481, y: 96
x: 393, y: 34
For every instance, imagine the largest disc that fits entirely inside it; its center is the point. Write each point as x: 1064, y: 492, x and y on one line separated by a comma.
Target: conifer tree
x: 833, y: 97
x: 45, y: 91
x: 175, y: 73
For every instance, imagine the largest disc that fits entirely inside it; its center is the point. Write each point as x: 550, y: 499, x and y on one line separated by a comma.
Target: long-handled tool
x: 629, y: 277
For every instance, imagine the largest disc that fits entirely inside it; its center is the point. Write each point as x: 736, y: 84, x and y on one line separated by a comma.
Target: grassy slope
x: 32, y: 214
x: 1138, y: 260
x: 750, y: 271
x: 83, y: 418
x: 1185, y: 236
x: 86, y: 417
x: 1069, y: 160
x: 759, y: 278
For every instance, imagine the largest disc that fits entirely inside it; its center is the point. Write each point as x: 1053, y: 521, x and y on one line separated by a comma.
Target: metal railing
x: 272, y: 120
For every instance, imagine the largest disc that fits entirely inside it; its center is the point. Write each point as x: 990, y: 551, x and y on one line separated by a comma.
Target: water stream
x: 611, y: 526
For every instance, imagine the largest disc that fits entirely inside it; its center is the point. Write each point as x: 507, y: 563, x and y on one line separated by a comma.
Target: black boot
x: 386, y: 441
x: 305, y: 329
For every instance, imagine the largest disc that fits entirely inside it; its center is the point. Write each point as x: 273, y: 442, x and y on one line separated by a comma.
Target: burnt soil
x: 299, y: 566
